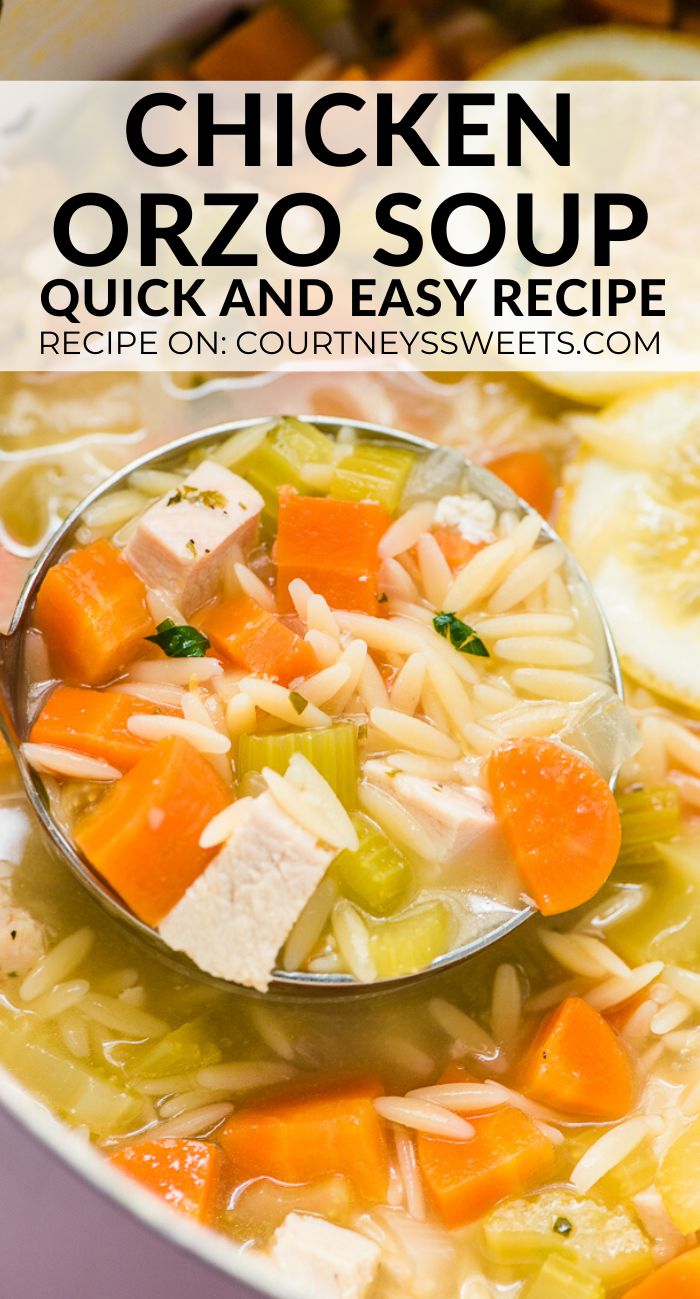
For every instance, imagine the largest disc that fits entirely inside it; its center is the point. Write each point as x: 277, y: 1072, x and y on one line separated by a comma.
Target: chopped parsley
x: 461, y: 637
x: 210, y: 499
x: 179, y: 642
x: 298, y: 702
x: 563, y: 1227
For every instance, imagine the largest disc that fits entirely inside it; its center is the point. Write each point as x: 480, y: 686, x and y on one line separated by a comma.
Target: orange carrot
x: 559, y: 819
x: 456, y: 549
x: 258, y: 640
x: 420, y: 62
x: 679, y: 1279
x: 577, y: 1064
x: 618, y: 1016
x: 143, y: 837
x: 332, y: 545
x: 94, y: 722
x: 92, y: 611
x: 354, y: 72
x: 182, y: 1172
x: 506, y: 1156
x: 529, y: 475
x: 299, y: 1139
x: 269, y: 46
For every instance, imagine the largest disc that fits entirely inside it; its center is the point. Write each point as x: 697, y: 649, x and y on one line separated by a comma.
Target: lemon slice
x: 600, y: 54
x: 631, y: 512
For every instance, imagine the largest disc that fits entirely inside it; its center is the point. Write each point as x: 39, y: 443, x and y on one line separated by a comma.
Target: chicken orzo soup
x: 309, y: 693
x: 527, y: 1125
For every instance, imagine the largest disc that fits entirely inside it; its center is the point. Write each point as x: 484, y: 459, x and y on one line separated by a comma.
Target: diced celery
x: 561, y: 1278
x: 74, y: 1089
x: 280, y: 458
x: 634, y: 1174
x: 411, y: 941
x: 606, y: 1241
x: 376, y: 875
x: 667, y: 927
x: 678, y: 1180
x: 373, y: 473
x: 332, y: 751
x: 648, y: 817
x: 186, y: 1048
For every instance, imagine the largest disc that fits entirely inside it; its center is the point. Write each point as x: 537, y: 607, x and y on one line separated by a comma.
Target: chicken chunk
x: 21, y: 941
x: 182, y: 542
x: 327, y: 1262
x: 459, y: 817
x: 234, y: 919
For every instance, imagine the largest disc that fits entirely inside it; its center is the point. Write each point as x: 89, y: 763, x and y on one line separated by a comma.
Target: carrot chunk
x: 143, y: 837
x: 529, y: 475
x: 506, y: 1156
x: 269, y: 46
x: 559, y: 818
x: 183, y: 1172
x: 456, y: 549
x: 577, y: 1064
x: 332, y: 545
x: 299, y: 1139
x: 94, y: 722
x: 679, y: 1279
x: 92, y: 610
x: 258, y: 640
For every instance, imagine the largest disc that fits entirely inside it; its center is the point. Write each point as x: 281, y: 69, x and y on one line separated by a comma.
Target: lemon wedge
x: 601, y: 53
x: 631, y: 512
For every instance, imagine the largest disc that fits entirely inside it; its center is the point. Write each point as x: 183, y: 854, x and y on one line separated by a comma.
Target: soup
x: 527, y: 1121
x: 275, y: 736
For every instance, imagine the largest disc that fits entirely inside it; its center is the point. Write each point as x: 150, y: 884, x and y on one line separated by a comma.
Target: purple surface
x: 62, y: 1239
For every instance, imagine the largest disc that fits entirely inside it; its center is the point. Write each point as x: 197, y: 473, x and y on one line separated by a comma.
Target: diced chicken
x: 459, y: 817
x: 21, y: 941
x: 182, y: 542
x: 471, y: 515
x: 234, y: 919
x: 325, y: 1261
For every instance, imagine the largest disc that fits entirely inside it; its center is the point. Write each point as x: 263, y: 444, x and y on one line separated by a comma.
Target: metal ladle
x: 13, y: 689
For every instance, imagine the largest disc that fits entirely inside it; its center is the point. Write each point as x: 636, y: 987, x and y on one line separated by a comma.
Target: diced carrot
x: 506, y: 1156
x: 559, y: 819
x: 94, y: 722
x: 269, y: 46
x: 619, y: 1016
x: 183, y: 1172
x: 678, y: 1279
x: 332, y: 545
x: 456, y: 549
x: 299, y: 1139
x: 143, y: 837
x: 576, y: 1064
x: 92, y: 610
x: 420, y: 62
x: 258, y: 640
x: 529, y: 475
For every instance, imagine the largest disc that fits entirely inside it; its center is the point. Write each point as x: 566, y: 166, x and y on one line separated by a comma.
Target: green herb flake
x: 179, y: 642
x: 461, y: 637
x: 563, y: 1227
x: 298, y: 702
x: 210, y: 499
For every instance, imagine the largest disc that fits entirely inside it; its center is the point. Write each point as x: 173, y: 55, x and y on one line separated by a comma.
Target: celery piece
x: 667, y: 927
x: 186, y: 1048
x: 332, y: 751
x: 559, y: 1277
x: 70, y: 1086
x: 372, y: 473
x: 280, y: 458
x: 411, y: 941
x: 647, y: 817
x: 607, y: 1241
x: 678, y: 1180
x: 634, y: 1174
x: 376, y: 875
